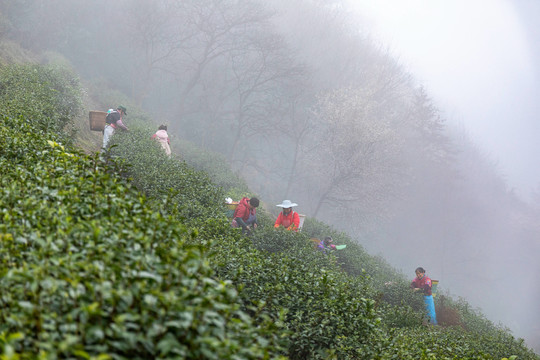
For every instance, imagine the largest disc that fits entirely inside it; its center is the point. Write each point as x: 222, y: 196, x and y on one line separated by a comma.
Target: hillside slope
x: 131, y: 256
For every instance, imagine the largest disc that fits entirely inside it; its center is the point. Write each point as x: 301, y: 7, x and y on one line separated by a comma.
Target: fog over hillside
x: 419, y: 143
x: 480, y: 60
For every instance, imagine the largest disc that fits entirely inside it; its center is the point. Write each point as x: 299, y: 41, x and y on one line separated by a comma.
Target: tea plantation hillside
x: 129, y: 254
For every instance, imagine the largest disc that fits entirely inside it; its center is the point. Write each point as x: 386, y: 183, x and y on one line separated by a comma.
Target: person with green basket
x: 327, y: 245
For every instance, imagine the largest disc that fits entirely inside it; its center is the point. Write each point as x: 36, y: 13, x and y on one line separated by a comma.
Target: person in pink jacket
x: 163, y: 138
x: 287, y: 218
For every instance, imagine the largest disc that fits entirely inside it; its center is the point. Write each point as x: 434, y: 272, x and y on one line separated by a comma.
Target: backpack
x: 110, y: 118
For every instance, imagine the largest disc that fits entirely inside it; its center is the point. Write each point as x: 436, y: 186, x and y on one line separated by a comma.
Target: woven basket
x: 434, y: 284
x: 231, y: 208
x: 97, y: 120
x: 301, y: 217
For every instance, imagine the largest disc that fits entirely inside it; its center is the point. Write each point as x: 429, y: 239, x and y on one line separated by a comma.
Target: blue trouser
x: 430, y: 307
x: 244, y: 224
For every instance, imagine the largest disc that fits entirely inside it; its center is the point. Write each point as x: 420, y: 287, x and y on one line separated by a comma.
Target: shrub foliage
x: 129, y: 254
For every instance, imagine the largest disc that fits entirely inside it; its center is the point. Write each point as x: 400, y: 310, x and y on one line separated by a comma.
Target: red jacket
x: 289, y: 222
x: 423, y: 283
x: 243, y: 211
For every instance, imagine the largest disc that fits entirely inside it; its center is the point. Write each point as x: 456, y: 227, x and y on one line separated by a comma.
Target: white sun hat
x: 287, y: 204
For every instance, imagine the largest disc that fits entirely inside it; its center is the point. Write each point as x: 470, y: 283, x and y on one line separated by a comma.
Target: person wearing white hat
x: 287, y: 217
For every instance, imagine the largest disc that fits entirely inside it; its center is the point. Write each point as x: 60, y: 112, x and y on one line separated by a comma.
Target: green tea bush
x: 216, y: 166
x: 355, y: 261
x: 89, y: 269
x: 277, y: 240
x: 190, y: 192
x: 48, y: 96
x: 400, y: 316
x: 398, y: 293
x: 324, y: 309
x: 281, y: 275
x: 450, y: 343
x: 133, y: 257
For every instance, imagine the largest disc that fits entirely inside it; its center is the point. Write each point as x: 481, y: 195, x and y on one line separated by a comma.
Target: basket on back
x: 97, y: 120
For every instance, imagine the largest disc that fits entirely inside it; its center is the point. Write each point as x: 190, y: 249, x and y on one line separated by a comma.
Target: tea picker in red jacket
x: 288, y: 218
x: 245, y: 214
x: 423, y: 283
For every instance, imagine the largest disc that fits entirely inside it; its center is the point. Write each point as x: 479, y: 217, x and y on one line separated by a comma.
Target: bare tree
x: 356, y: 152
x: 178, y: 46
x: 275, y: 155
x: 263, y: 76
x: 157, y: 34
x: 301, y: 127
x: 220, y: 27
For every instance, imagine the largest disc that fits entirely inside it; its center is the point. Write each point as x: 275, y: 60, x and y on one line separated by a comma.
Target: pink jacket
x: 424, y: 283
x: 163, y: 138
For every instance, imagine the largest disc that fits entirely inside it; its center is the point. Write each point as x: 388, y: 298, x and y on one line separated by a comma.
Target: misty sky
x: 477, y: 59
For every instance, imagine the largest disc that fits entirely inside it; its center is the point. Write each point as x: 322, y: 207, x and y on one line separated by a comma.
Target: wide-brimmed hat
x: 124, y: 110
x: 287, y: 204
